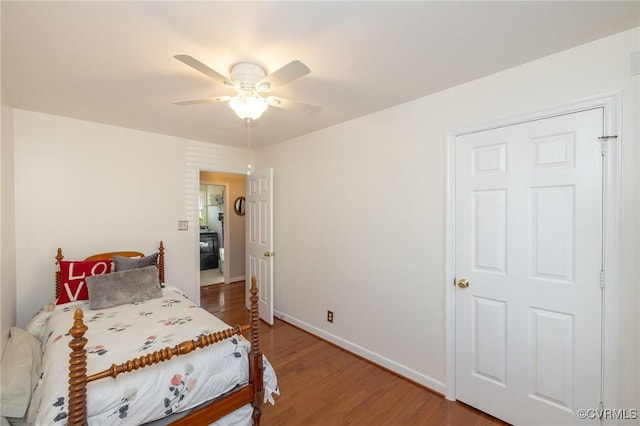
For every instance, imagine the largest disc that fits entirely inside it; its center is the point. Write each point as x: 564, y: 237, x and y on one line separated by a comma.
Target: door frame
x: 611, y: 322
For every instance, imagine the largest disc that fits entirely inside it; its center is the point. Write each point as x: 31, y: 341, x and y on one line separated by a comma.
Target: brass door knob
x: 463, y: 283
x: 268, y: 253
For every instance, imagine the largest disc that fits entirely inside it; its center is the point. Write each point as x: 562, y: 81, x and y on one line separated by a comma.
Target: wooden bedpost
x: 59, y: 257
x: 78, y: 372
x: 161, y: 263
x: 256, y: 353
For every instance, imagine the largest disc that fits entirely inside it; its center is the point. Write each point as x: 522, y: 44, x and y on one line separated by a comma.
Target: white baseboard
x: 375, y: 358
x: 236, y: 279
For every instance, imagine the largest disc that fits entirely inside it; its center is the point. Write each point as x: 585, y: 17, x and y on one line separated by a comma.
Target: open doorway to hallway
x: 222, y: 230
x: 212, y: 218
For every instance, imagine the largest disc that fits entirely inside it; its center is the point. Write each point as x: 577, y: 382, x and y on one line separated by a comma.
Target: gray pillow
x: 123, y: 263
x: 122, y: 287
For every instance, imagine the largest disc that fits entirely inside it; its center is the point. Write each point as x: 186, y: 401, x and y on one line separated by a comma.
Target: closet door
x: 528, y: 260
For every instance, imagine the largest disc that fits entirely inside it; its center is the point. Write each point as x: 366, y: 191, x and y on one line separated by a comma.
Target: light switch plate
x: 183, y: 225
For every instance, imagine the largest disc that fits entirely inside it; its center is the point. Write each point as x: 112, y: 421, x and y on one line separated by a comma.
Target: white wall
x: 90, y: 188
x: 7, y: 222
x: 359, y: 213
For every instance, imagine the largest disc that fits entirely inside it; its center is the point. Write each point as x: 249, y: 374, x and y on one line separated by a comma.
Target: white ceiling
x: 112, y: 62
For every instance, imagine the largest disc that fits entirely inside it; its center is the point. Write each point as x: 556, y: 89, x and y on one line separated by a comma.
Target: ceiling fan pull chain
x: 247, y: 123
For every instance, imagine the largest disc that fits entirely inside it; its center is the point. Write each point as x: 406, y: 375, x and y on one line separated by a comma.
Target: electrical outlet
x: 329, y: 316
x: 183, y: 225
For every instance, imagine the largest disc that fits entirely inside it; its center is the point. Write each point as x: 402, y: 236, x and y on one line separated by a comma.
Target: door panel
x: 552, y: 216
x: 553, y: 358
x: 529, y: 240
x: 490, y: 226
x: 490, y: 341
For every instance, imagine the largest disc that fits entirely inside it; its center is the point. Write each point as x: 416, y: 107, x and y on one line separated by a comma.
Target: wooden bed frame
x: 251, y: 393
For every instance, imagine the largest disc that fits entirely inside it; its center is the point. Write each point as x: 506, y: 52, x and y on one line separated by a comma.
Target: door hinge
x: 603, y: 143
x: 601, y: 278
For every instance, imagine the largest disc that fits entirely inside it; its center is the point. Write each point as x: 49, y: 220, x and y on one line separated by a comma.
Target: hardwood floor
x: 322, y: 384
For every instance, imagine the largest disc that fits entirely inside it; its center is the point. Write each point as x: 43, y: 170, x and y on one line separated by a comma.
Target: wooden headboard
x: 109, y: 256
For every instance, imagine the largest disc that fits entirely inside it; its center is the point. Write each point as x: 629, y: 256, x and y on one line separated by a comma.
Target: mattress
x: 129, y: 331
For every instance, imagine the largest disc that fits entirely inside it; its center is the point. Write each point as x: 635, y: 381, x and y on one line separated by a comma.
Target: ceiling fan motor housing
x: 247, y: 75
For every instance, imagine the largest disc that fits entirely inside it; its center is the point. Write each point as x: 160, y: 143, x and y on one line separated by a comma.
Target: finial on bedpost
x: 59, y: 257
x: 256, y: 353
x: 78, y: 372
x: 161, y: 263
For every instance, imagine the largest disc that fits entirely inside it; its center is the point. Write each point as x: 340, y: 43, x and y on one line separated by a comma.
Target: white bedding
x: 129, y: 331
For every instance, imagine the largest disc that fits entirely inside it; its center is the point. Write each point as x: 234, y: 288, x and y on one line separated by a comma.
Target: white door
x: 259, y: 211
x: 529, y: 241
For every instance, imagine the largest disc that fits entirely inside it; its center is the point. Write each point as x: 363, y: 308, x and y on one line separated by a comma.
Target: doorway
x: 211, y: 217
x: 222, y: 231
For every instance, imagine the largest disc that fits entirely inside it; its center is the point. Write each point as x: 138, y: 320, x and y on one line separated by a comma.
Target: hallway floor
x: 211, y: 276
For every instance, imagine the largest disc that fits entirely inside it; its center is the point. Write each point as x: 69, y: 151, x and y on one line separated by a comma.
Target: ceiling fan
x: 250, y: 81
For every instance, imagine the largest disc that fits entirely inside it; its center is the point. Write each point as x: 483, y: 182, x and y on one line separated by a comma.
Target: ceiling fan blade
x: 293, y: 70
x: 204, y: 69
x: 292, y: 105
x: 202, y: 100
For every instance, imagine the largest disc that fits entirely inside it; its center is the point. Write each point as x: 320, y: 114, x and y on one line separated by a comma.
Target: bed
x: 139, y: 351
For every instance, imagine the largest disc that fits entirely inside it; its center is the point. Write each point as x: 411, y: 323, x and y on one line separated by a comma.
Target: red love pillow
x: 73, y: 275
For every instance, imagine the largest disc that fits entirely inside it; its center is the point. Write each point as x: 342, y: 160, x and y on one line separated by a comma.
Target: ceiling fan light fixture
x: 248, y: 106
x: 250, y: 80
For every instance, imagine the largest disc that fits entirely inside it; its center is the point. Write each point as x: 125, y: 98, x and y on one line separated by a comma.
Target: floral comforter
x: 129, y: 331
